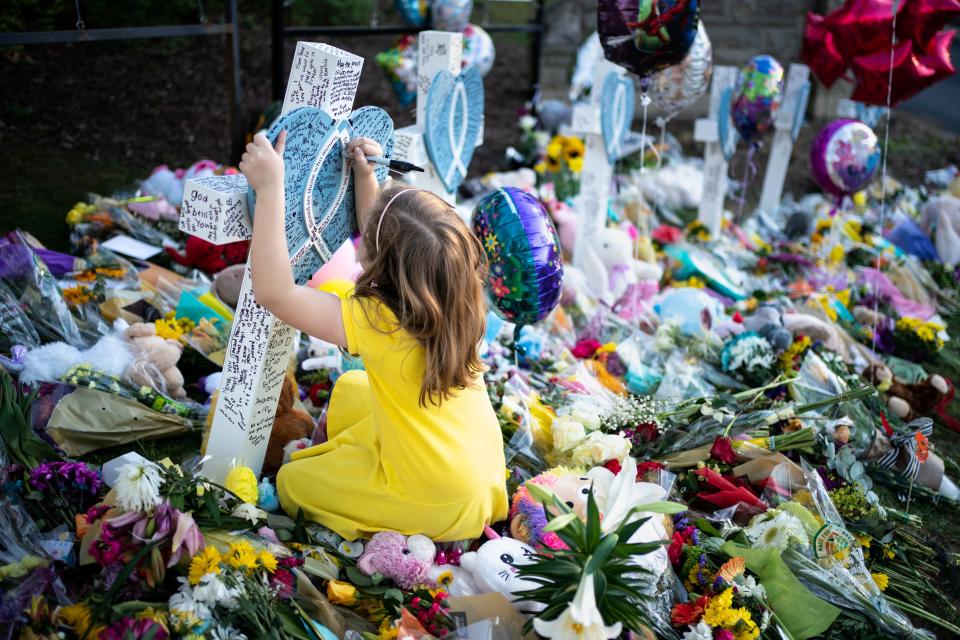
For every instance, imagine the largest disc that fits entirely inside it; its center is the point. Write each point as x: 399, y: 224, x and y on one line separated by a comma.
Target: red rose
x: 722, y: 450
x: 613, y: 465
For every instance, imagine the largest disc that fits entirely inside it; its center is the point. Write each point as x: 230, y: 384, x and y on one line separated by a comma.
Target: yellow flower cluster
x: 823, y: 224
x: 926, y: 331
x: 78, y: 295
x: 241, y: 556
x: 824, y: 300
x: 78, y: 617
x: 562, y: 150
x: 79, y: 211
x: 694, y: 282
x: 799, y: 346
x: 721, y: 614
x: 173, y: 328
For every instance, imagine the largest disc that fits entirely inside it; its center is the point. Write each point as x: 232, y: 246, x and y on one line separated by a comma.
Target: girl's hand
x: 357, y: 151
x: 263, y: 163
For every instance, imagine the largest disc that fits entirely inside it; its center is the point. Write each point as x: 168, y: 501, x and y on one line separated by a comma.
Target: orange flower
x: 923, y: 447
x: 731, y: 569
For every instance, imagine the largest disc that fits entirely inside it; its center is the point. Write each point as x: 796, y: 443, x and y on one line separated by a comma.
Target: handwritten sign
x: 215, y: 209
x: 324, y: 77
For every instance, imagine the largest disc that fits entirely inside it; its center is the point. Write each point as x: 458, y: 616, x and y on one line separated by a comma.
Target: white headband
x: 384, y: 212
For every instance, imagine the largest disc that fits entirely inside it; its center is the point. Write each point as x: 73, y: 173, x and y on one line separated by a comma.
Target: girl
x: 414, y: 445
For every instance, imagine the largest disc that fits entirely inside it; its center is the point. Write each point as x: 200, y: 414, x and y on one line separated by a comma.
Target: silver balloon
x: 676, y: 88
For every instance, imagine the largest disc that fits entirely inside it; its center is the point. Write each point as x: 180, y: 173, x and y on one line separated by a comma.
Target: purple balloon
x: 523, y: 251
x: 646, y: 36
x: 844, y: 157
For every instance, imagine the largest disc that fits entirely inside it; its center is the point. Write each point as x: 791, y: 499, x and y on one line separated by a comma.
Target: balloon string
x: 749, y: 171
x: 663, y: 140
x: 644, y: 102
x: 883, y: 171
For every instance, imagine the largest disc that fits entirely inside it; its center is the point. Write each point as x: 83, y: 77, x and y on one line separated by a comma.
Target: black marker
x: 395, y: 165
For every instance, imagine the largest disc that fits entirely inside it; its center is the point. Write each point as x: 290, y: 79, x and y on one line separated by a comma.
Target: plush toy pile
x: 710, y: 438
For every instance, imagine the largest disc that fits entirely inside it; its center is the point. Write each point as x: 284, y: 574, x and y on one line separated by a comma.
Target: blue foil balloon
x: 647, y: 36
x: 523, y: 251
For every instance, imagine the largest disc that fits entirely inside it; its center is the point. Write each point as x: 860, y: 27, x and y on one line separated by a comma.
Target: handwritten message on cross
x: 319, y: 217
x: 449, y: 116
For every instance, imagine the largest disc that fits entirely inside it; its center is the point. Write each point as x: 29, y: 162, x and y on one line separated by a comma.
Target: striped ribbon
x: 906, y: 441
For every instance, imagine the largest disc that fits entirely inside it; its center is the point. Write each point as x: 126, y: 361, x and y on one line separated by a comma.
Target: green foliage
x: 22, y: 444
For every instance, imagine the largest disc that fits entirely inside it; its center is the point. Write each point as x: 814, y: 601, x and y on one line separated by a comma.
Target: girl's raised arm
x: 314, y: 312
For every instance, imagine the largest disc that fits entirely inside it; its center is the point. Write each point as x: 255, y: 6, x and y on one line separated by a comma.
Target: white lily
x: 581, y: 620
x: 617, y: 494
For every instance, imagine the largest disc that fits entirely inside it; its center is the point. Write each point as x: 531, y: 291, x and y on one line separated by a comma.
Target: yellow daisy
x: 882, y: 580
x: 242, y: 555
x: 207, y: 561
x: 267, y: 560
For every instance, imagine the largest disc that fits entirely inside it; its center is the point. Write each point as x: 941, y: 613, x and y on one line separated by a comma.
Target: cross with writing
x: 707, y: 130
x: 318, y: 218
x: 597, y: 174
x: 787, y: 123
x: 437, y: 52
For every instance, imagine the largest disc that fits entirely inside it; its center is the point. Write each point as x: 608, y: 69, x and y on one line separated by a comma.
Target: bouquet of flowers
x: 561, y: 166
x: 84, y: 375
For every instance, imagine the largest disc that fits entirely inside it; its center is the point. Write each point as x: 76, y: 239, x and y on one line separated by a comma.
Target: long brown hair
x: 428, y: 270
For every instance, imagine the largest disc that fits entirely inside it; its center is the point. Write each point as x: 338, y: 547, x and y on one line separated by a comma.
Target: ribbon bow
x: 906, y: 442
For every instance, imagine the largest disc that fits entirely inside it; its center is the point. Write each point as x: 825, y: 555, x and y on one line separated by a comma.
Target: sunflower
x: 573, y: 153
x: 267, y: 560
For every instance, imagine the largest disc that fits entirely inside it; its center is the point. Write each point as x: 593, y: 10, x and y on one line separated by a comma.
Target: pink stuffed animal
x: 406, y: 561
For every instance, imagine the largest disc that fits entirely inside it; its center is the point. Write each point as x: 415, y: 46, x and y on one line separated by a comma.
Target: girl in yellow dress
x: 414, y: 445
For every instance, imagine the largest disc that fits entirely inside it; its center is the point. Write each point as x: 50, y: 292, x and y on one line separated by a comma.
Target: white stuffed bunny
x: 493, y: 569
x: 322, y: 355
x: 610, y: 267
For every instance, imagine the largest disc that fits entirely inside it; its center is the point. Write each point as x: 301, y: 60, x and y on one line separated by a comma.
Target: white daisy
x: 776, y: 530
x: 138, y: 486
x: 212, y: 591
x: 183, y: 601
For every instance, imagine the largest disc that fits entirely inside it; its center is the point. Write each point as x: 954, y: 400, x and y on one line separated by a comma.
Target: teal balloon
x: 525, y: 262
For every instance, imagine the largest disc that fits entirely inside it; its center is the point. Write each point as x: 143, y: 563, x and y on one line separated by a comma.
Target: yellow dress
x: 390, y: 464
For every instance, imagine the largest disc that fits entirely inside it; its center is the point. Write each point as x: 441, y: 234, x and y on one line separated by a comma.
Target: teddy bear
x: 227, y: 284
x: 905, y: 400
x: 493, y: 568
x: 405, y: 560
x: 208, y: 257
x: 292, y: 428
x: 155, y: 354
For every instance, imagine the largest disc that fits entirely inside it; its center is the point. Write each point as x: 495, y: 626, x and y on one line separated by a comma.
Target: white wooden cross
x: 436, y: 51
x: 596, y: 176
x: 707, y: 130
x: 787, y: 123
x: 216, y: 210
